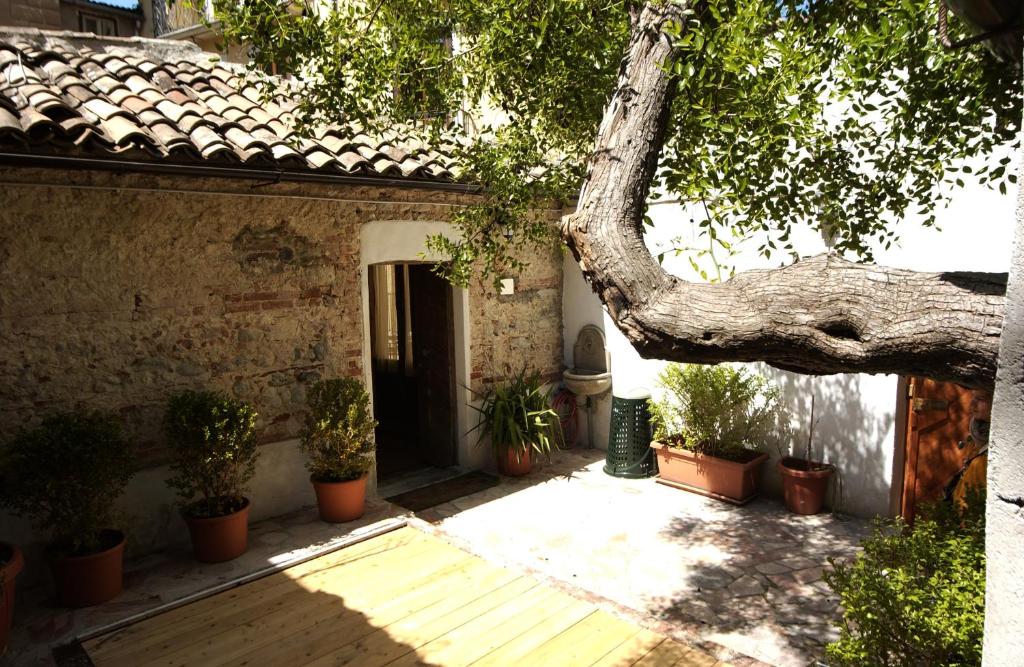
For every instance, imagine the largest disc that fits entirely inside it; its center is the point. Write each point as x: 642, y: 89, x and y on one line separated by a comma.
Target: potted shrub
x: 516, y: 416
x: 11, y: 562
x: 338, y: 439
x: 805, y: 481
x: 214, y: 445
x: 66, y: 475
x: 709, y: 427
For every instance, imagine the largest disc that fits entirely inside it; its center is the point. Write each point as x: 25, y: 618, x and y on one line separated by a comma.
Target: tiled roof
x: 75, y: 94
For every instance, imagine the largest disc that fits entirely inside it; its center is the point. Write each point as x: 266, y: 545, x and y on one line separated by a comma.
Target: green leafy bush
x: 715, y: 410
x: 65, y: 475
x: 516, y: 415
x: 214, y: 444
x: 915, y: 596
x: 338, y: 437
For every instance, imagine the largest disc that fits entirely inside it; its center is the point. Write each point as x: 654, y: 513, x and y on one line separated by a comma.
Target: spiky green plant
x: 516, y: 416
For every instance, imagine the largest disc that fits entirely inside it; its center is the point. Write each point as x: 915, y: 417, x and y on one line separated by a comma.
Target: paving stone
x: 808, y: 576
x: 771, y: 567
x: 746, y: 586
x: 800, y: 563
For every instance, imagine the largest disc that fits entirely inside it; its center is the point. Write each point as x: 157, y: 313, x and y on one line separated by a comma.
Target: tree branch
x: 821, y: 315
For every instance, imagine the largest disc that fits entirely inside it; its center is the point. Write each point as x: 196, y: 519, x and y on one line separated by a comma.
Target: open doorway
x: 412, y: 354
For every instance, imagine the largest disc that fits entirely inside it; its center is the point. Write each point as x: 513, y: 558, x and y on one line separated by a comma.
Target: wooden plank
x: 397, y: 639
x: 582, y: 644
x: 512, y: 652
x: 405, y: 598
x: 631, y: 650
x: 149, y: 629
x: 320, y: 638
x: 477, y: 638
x: 342, y: 594
x: 666, y: 654
x: 698, y: 658
x: 165, y: 634
x: 173, y: 631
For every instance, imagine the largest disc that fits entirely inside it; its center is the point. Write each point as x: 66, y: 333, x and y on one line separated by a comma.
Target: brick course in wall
x: 120, y: 291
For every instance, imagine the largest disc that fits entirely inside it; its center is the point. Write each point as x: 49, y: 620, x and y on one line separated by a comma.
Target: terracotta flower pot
x: 515, y: 464
x: 220, y: 538
x: 84, y: 581
x: 11, y: 563
x: 804, y: 485
x: 341, y: 501
x: 732, y: 481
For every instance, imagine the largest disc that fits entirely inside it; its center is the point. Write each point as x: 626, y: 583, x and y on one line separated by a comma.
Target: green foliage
x: 845, y: 116
x: 839, y: 115
x: 516, y: 416
x: 66, y: 475
x: 915, y: 596
x: 338, y: 437
x: 715, y: 410
x: 213, y: 438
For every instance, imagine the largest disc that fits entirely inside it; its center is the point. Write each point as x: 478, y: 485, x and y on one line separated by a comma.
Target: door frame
x: 403, y: 241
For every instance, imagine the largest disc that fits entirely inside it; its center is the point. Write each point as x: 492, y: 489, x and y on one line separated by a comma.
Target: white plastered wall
x: 858, y: 427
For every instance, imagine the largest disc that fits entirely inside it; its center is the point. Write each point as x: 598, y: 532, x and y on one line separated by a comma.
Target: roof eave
x: 28, y: 160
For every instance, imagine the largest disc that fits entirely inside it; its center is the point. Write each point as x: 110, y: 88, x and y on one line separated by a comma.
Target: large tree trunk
x: 820, y: 315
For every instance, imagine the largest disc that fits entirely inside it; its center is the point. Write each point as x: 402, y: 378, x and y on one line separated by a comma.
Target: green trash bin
x: 629, y: 438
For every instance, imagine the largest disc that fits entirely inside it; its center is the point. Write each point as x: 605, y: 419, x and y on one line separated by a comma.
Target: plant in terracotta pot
x: 213, y: 440
x: 11, y: 563
x: 709, y: 428
x: 338, y: 439
x: 804, y: 480
x: 517, y: 418
x: 65, y: 475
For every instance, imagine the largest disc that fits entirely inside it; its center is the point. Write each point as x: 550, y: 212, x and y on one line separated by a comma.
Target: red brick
x: 277, y: 305
x: 259, y: 296
x: 241, y: 307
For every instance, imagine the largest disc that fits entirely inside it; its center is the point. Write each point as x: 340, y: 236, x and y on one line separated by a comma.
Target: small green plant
x: 65, y: 475
x: 338, y: 437
x: 915, y: 595
x: 214, y: 444
x: 516, y: 416
x: 715, y: 410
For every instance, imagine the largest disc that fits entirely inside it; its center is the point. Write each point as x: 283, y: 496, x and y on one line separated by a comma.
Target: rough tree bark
x: 820, y: 315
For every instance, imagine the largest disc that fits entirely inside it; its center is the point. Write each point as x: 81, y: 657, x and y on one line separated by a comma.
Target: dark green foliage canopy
x: 338, y: 437
x: 843, y: 115
x: 66, y: 474
x: 213, y: 441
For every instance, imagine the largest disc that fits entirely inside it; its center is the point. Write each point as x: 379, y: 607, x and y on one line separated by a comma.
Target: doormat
x: 442, y: 492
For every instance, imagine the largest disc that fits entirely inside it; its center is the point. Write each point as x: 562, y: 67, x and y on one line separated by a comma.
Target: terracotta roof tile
x: 75, y: 93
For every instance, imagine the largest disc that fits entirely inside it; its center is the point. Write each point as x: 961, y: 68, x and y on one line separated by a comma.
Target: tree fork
x: 818, y: 316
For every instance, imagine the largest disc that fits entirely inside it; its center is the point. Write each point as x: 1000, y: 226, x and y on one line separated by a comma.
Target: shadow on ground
x: 312, y: 613
x: 755, y: 581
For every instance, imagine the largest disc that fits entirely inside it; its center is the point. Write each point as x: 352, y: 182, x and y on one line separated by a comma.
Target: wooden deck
x: 404, y: 598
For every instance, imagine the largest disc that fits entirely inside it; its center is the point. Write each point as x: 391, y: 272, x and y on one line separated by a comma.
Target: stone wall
x: 519, y: 330
x: 45, y: 14
x: 120, y: 290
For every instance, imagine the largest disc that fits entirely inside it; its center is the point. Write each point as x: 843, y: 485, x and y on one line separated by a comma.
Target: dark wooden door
x: 434, y: 362
x: 937, y: 442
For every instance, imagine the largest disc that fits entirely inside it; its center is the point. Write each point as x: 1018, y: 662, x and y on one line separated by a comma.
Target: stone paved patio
x: 745, y: 578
